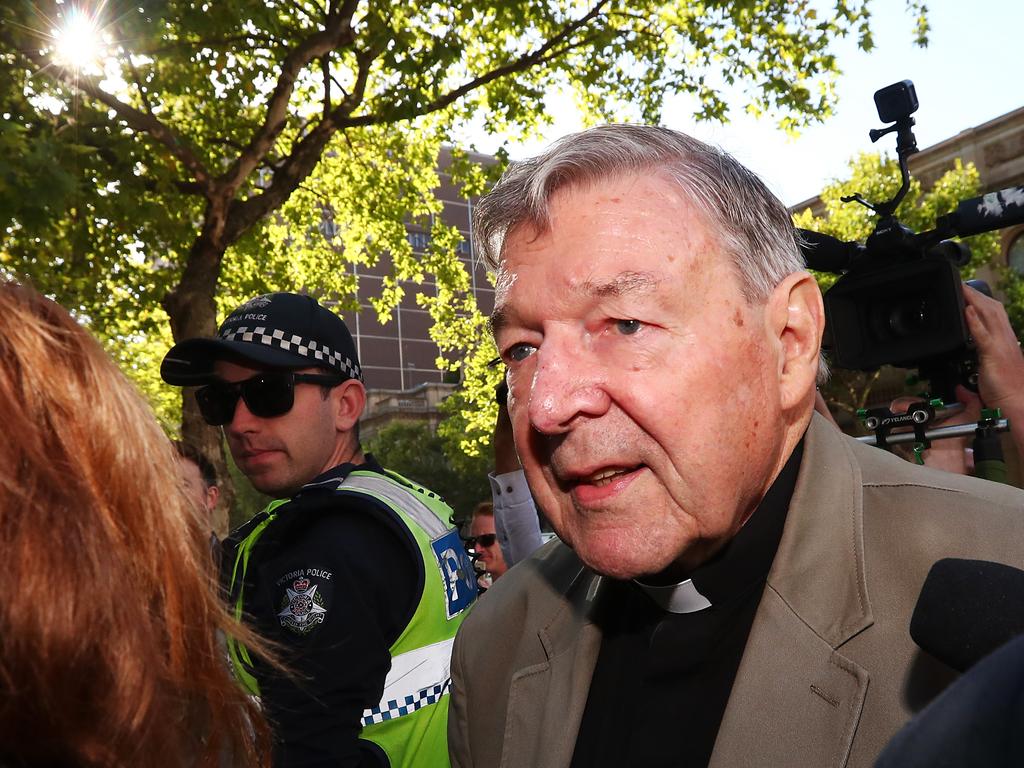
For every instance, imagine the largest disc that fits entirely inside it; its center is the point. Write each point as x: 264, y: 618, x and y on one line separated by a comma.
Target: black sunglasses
x: 484, y: 540
x: 268, y: 394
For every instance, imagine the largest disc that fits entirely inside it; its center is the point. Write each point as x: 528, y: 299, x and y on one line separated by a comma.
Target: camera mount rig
x: 898, y: 300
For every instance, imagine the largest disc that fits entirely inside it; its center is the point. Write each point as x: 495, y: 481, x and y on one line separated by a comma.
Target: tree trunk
x: 192, y: 311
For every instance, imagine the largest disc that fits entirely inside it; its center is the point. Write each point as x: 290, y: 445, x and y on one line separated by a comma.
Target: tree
x: 877, y: 178
x: 221, y: 149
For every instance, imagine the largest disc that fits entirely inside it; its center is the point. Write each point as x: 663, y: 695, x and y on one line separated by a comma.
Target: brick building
x: 398, y: 357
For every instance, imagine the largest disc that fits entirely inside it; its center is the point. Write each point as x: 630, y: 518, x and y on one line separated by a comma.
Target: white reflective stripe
x: 402, y: 498
x: 413, y: 674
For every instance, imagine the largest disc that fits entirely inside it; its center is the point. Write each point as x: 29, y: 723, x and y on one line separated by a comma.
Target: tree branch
x: 304, y: 13
x: 546, y: 52
x: 138, y: 84
x: 338, y: 33
x: 341, y: 87
x: 307, y: 151
x: 364, y: 59
x: 325, y: 69
x: 303, y: 158
x: 137, y: 120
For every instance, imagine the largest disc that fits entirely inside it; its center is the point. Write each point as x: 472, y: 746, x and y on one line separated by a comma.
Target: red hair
x: 108, y: 603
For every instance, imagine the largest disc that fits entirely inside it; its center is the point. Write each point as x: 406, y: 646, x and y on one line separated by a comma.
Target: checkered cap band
x: 290, y: 342
x: 398, y: 707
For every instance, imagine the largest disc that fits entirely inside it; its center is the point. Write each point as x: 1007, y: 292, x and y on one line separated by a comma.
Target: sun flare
x: 79, y: 43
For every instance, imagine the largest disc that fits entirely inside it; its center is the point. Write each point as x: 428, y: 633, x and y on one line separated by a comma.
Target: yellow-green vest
x: 410, y: 721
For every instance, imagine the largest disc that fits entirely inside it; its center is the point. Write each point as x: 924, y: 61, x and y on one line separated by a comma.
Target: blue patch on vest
x: 456, y: 572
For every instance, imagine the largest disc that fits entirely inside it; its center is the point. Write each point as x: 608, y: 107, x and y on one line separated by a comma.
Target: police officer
x: 353, y: 570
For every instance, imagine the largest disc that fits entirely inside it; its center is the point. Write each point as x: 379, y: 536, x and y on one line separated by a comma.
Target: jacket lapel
x: 796, y: 699
x: 546, y: 701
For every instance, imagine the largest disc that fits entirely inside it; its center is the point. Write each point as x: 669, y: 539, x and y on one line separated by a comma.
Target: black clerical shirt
x: 662, y: 680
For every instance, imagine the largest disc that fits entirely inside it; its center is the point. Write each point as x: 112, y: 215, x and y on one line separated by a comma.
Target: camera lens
x: 908, y: 318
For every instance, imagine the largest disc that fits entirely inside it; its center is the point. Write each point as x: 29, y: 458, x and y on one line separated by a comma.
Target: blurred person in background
x: 108, y: 654
x: 483, y: 541
x: 200, y: 479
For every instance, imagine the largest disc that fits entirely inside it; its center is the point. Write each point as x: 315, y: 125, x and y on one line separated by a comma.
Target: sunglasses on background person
x: 266, y: 395
x: 484, y: 540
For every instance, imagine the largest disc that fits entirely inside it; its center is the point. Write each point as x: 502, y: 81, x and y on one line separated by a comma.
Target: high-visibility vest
x: 410, y: 721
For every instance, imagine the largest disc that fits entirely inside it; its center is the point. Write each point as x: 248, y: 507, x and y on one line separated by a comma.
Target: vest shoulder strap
x: 394, y: 491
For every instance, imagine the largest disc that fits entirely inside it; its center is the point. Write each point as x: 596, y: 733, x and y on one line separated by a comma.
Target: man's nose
x: 242, y: 420
x: 566, y: 386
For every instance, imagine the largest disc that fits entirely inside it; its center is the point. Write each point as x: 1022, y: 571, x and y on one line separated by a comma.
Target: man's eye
x: 628, y: 327
x: 519, y: 352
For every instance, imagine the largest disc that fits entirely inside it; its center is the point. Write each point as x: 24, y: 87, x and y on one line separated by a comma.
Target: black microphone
x: 995, y: 210
x: 826, y: 253
x: 967, y: 609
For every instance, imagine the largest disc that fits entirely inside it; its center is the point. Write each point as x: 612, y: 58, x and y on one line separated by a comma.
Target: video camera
x: 898, y: 300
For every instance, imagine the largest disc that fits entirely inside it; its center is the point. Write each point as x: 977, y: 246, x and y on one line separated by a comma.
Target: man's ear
x: 796, y: 320
x: 349, y: 399
x: 212, y: 496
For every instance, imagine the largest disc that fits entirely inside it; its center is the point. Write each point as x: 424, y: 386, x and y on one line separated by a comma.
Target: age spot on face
x: 737, y: 318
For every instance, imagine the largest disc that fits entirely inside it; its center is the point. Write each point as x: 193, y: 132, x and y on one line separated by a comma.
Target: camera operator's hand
x: 1001, y: 363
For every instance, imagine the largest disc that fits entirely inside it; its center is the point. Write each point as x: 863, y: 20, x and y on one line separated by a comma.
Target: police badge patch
x: 302, y: 608
x: 258, y: 302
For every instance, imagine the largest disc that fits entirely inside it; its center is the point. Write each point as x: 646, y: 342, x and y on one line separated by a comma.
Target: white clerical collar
x: 676, y: 598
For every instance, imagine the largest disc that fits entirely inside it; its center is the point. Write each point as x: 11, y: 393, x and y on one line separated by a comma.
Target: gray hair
x: 754, y: 227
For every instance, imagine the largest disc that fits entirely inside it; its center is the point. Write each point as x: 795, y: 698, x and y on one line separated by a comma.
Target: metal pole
x: 940, y: 433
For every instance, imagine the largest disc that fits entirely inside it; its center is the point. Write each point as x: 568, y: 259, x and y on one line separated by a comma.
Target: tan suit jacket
x: 829, y: 672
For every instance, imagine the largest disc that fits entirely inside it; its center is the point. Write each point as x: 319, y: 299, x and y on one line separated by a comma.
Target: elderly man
x: 353, y: 572
x: 735, y: 577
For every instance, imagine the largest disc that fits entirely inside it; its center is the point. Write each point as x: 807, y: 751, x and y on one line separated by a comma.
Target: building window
x: 1015, y: 253
x: 420, y: 241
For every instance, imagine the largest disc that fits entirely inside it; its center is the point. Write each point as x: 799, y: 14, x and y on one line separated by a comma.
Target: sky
x: 971, y: 72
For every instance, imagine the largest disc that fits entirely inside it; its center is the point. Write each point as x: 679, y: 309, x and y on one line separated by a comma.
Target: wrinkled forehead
x: 625, y: 284
x: 626, y: 273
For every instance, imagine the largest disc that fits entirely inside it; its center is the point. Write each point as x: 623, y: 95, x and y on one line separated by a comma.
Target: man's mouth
x: 254, y: 453
x: 601, y: 484
x: 605, y: 476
